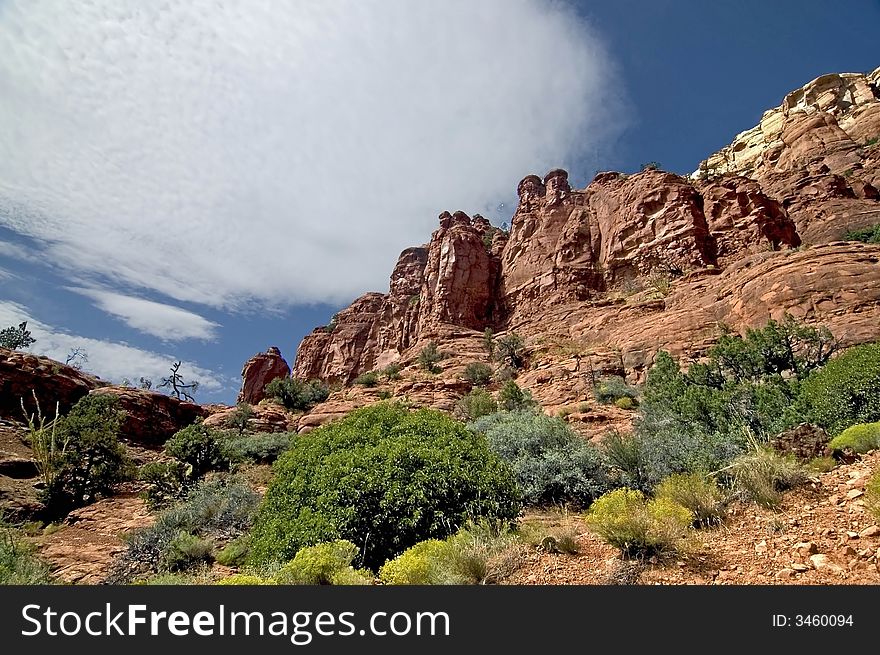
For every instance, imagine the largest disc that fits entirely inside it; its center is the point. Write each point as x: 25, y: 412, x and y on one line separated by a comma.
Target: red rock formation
x: 259, y: 371
x: 635, y: 263
x: 151, y: 417
x: 742, y: 219
x: 265, y: 418
x: 23, y: 373
x: 460, y: 276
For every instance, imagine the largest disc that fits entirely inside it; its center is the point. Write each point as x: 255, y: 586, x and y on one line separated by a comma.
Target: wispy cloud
x: 223, y: 153
x: 166, y: 322
x: 109, y: 360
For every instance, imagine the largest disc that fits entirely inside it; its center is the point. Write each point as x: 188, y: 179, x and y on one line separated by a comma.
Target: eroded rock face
x: 23, y: 373
x: 635, y: 263
x: 460, y: 275
x: 816, y: 154
x: 742, y: 219
x: 151, y: 417
x: 259, y: 371
x: 265, y: 418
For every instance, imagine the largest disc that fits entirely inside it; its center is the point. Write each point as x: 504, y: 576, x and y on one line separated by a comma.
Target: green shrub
x: 239, y: 419
x: 392, y: 372
x: 477, y: 403
x: 19, y: 564
x: 866, y: 235
x: 489, y: 342
x: 385, y: 395
x: 235, y: 552
x: 872, y: 496
x: 261, y: 448
x: 696, y: 492
x: 16, y: 338
x: 367, y: 379
x: 186, y: 550
x: 763, y: 474
x: 297, y: 395
x: 92, y: 461
x: 510, y: 350
x: 242, y: 579
x: 846, y: 391
x: 512, y: 398
x: 553, y: 464
x: 167, y: 482
x: 323, y: 564
x: 478, y: 374
x: 615, y: 388
x: 384, y: 477
x: 638, y: 527
x: 858, y: 438
x: 196, y: 445
x: 422, y: 564
x: 221, y: 509
x: 625, y: 403
x: 429, y: 356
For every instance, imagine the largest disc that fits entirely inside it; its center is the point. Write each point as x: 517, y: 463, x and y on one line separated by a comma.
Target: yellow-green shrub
x: 243, y: 580
x: 699, y: 494
x: 626, y: 519
x: 860, y: 438
x: 421, y: 564
x: 323, y: 564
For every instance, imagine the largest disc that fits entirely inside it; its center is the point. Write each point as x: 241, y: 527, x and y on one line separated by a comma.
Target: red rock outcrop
x: 816, y: 154
x: 259, y: 371
x: 635, y: 263
x: 53, y: 382
x: 265, y: 418
x: 151, y: 417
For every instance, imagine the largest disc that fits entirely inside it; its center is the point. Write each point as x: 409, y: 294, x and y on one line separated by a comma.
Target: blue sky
x: 198, y: 180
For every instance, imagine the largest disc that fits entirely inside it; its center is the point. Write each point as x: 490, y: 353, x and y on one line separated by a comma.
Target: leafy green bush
x: 367, y: 379
x: 512, y: 398
x: 615, y: 388
x: 197, y: 446
x: 392, y: 372
x: 698, y: 493
x: 478, y: 374
x: 297, y: 395
x: 476, y: 403
x: 384, y: 477
x: 763, y: 474
x: 235, y: 552
x: 625, y: 403
x: 261, y: 448
x: 422, y: 564
x: 872, y: 496
x: 846, y: 391
x: 92, y: 461
x: 186, y: 550
x: 866, y: 235
x: 821, y: 464
x: 429, y: 356
x: 510, y: 350
x: 239, y: 419
x: 16, y: 338
x: 323, y: 564
x: 858, y: 438
x: 639, y: 527
x: 553, y: 464
x: 221, y: 509
x: 658, y: 449
x: 19, y: 565
x: 167, y: 482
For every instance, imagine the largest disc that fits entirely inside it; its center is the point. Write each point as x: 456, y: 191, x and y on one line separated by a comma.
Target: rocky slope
x: 599, y: 279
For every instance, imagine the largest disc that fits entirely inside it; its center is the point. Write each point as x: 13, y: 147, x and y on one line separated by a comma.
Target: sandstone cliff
x: 599, y: 279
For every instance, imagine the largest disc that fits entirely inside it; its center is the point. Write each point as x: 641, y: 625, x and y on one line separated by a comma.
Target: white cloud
x: 248, y: 150
x: 167, y: 322
x: 15, y: 251
x: 109, y: 360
